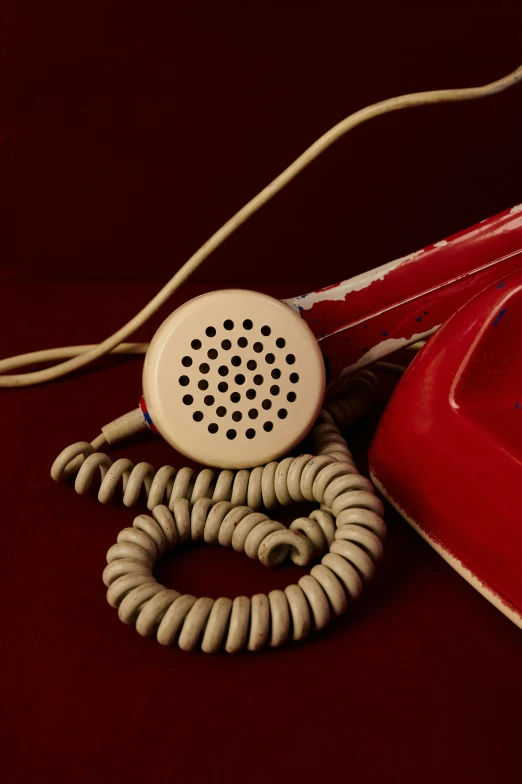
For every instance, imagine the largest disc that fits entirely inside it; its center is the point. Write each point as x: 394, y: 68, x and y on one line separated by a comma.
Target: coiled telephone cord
x: 225, y: 509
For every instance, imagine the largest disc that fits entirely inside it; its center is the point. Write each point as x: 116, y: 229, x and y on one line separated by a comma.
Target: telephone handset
x: 235, y: 379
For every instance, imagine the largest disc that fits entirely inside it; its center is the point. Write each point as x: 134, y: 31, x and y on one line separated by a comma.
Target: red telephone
x: 448, y: 451
x: 235, y: 380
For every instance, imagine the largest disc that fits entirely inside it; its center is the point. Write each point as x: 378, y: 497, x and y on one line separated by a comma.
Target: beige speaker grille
x: 233, y: 379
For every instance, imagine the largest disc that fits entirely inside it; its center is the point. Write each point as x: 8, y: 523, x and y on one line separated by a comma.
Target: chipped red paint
x: 414, y: 317
x: 331, y: 286
x: 415, y: 296
x: 448, y: 449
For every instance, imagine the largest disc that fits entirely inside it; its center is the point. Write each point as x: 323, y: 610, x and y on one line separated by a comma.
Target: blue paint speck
x: 384, y: 334
x: 300, y: 308
x: 365, y: 350
x: 518, y: 406
x: 366, y: 326
x: 501, y: 284
x: 419, y: 318
x: 502, y: 312
x: 347, y: 340
x: 316, y: 321
x: 426, y: 312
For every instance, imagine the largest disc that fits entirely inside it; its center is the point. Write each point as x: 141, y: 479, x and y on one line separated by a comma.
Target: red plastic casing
x: 448, y: 450
x: 363, y: 319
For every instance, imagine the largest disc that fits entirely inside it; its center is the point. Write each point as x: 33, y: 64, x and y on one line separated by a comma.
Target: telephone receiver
x: 236, y: 367
x: 236, y: 379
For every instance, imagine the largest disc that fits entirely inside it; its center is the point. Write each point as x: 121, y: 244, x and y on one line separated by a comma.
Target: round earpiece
x: 233, y: 379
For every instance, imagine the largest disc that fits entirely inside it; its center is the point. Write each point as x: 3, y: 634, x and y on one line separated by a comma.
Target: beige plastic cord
x: 225, y: 510
x: 86, y: 355
x: 245, y: 486
x: 51, y: 354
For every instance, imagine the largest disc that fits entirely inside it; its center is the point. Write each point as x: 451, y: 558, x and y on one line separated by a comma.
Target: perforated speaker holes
x: 228, y: 406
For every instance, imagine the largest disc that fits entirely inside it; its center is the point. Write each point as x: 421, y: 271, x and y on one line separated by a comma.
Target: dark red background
x: 129, y: 132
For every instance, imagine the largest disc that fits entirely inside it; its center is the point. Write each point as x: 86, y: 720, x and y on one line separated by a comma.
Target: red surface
x: 420, y: 681
x: 448, y: 449
x: 130, y: 130
x: 418, y: 295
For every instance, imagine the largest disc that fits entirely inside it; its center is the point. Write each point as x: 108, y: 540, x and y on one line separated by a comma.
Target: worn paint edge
x: 340, y: 290
x: 357, y: 283
x: 483, y: 588
x: 384, y: 348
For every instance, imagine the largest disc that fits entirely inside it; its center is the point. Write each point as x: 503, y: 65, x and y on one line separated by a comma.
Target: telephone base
x: 459, y: 566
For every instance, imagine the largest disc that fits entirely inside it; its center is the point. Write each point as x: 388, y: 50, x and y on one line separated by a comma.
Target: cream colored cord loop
x: 228, y: 508
x: 215, y: 509
x: 279, y: 483
x: 262, y: 620
x: 70, y: 460
x: 89, y: 469
x: 347, y: 531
